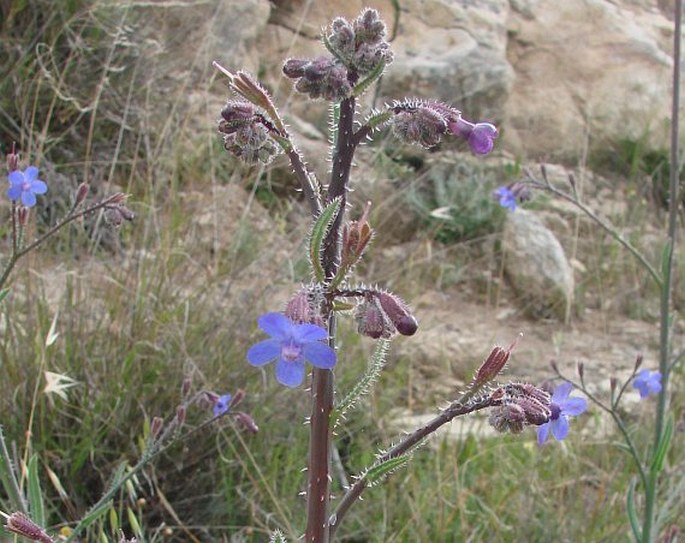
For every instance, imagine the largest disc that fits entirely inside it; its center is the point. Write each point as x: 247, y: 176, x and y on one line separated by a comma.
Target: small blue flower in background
x: 562, y: 408
x: 25, y: 185
x: 290, y: 345
x: 507, y: 199
x: 647, y: 382
x: 222, y: 404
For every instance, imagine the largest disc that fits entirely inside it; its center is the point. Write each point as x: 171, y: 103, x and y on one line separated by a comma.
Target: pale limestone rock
x: 536, y: 266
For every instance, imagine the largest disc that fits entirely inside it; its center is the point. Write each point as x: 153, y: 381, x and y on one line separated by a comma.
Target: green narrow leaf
x: 665, y: 260
x: 662, y: 447
x: 632, y: 513
x: 321, y: 227
x: 377, y: 119
x: 3, y: 293
x: 376, y: 473
x: 8, y: 477
x: 35, y: 494
x: 93, y: 515
x: 361, y: 87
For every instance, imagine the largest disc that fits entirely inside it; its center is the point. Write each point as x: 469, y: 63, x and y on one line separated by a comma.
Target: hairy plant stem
x: 651, y: 492
x: 18, y: 253
x: 318, y: 486
x: 455, y: 409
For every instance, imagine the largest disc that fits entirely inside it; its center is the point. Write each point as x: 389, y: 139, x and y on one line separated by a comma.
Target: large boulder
x: 536, y: 266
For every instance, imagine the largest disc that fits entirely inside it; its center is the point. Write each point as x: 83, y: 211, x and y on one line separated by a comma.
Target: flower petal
x: 222, y: 405
x: 308, y: 332
x: 16, y: 177
x: 290, y: 374
x: 560, y: 428
x: 28, y: 198
x: 264, y: 352
x: 574, y: 406
x: 561, y: 392
x: 39, y: 187
x: 276, y: 325
x: 14, y: 192
x: 320, y: 355
x: 543, y: 431
x: 31, y: 174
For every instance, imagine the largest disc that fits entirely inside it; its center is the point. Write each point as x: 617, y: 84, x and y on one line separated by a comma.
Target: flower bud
x: 372, y: 321
x: 81, y: 193
x: 492, y: 367
x: 356, y: 236
x: 19, y: 523
x: 22, y: 216
x: 156, y: 426
x: 580, y: 368
x: 246, y: 422
x: 238, y: 397
x: 294, y: 67
x: 13, y: 159
x: 420, y: 125
x: 398, y: 312
x: 181, y: 414
x: 638, y: 361
x: 186, y: 385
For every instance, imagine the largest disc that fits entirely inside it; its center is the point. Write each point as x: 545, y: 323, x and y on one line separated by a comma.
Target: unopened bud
x: 141, y: 502
x: 19, y: 523
x: 156, y: 426
x: 613, y: 384
x: 356, y: 236
x: 13, y: 159
x: 301, y: 309
x: 186, y: 385
x: 492, y: 367
x: 372, y: 321
x: 81, y: 193
x: 238, y: 397
x: 22, y: 216
x: 580, y: 368
x: 398, y: 312
x: 181, y: 414
x: 294, y: 67
x: 246, y: 422
x: 638, y: 361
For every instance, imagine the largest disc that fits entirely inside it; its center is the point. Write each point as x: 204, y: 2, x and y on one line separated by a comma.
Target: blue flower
x: 647, y: 382
x: 562, y: 407
x: 25, y: 185
x: 290, y: 345
x: 507, y: 199
x: 222, y: 404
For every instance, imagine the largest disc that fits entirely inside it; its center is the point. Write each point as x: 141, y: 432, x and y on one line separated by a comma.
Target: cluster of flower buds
x: 245, y: 132
x: 358, y: 49
x: 518, y: 405
x: 382, y: 314
x: 115, y: 211
x: 423, y: 123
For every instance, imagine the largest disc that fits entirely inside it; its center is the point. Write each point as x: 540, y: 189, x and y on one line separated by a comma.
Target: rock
x: 585, y: 69
x: 536, y: 266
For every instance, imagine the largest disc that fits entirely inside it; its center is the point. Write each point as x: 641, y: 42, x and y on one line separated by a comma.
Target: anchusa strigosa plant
x: 23, y: 189
x: 357, y: 53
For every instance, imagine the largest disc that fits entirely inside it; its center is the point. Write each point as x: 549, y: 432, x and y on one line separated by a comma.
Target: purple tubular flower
x: 562, y: 407
x: 507, y: 199
x: 222, y: 404
x: 480, y: 136
x: 647, y: 382
x: 25, y: 185
x: 290, y: 345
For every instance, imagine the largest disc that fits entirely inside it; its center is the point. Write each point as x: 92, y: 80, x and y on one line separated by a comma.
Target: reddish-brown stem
x: 318, y: 487
x: 454, y: 410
